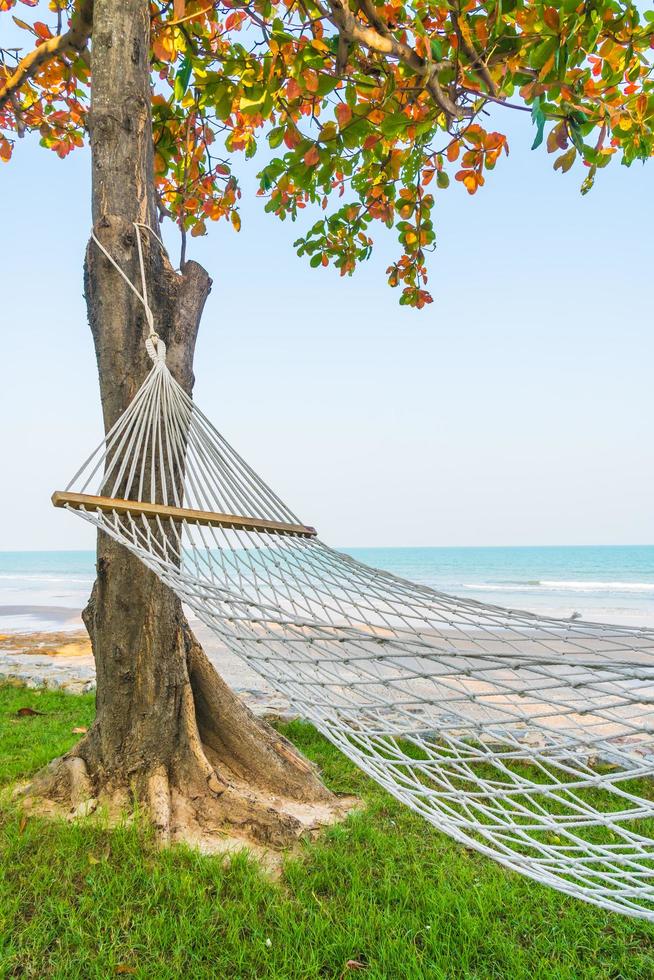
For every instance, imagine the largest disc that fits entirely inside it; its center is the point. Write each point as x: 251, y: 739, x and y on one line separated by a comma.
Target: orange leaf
x: 292, y: 137
x: 547, y: 67
x: 471, y: 180
x: 235, y: 219
x: 164, y: 46
x: 311, y: 80
x: 453, y: 151
x: 159, y: 164
x: 343, y: 114
x: 312, y: 157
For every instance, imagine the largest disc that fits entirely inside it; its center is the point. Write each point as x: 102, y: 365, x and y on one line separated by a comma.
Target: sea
x: 46, y: 590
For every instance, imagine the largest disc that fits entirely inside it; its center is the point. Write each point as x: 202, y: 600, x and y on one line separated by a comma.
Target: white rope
x: 143, y: 295
x: 528, y: 738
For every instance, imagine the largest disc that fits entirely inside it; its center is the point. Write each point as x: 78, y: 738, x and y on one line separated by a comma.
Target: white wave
x: 552, y: 585
x: 600, y: 586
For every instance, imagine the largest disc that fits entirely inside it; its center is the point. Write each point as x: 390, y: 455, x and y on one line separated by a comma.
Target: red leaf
x: 42, y: 30
x: 234, y: 20
x: 551, y: 18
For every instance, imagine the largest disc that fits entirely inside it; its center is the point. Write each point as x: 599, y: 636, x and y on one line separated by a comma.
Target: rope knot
x: 156, y: 348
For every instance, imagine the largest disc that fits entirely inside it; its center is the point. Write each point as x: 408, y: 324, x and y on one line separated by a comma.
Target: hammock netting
x: 528, y: 738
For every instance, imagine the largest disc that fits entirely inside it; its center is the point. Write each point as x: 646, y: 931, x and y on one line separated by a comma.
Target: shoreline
x: 63, y: 660
x: 608, y: 584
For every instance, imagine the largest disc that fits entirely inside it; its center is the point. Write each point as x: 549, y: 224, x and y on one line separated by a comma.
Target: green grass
x: 384, y: 889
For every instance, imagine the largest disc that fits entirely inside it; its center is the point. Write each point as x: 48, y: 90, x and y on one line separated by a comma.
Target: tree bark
x: 167, y: 729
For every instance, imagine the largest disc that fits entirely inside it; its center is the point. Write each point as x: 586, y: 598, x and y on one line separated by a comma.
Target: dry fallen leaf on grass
x: 124, y: 968
x: 28, y: 712
x: 356, y: 965
x: 80, y: 730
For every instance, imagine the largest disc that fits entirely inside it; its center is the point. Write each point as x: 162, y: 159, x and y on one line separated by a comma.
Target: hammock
x: 528, y: 738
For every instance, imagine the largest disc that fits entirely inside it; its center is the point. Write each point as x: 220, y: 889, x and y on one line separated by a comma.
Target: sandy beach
x: 63, y: 659
x: 499, y: 699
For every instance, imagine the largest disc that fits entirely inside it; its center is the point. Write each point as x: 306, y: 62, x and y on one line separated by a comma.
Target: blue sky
x: 517, y: 409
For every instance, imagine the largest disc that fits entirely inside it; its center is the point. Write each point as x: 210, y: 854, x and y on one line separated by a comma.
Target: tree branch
x: 74, y: 39
x: 374, y: 18
x: 352, y: 30
x: 476, y: 60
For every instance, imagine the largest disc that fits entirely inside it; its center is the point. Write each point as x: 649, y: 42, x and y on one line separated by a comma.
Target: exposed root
x: 247, y: 744
x: 204, y: 797
x: 206, y: 771
x: 158, y: 796
x: 216, y: 815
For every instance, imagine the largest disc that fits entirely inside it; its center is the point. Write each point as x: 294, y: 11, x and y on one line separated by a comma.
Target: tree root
x: 232, y: 781
x: 191, y: 804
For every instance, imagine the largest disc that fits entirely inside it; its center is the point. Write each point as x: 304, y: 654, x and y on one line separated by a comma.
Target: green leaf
x: 275, y: 137
x: 182, y: 77
x: 565, y: 161
x: 394, y: 124
x: 538, y: 117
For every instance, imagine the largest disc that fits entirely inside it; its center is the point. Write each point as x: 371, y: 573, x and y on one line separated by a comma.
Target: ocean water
x: 46, y: 590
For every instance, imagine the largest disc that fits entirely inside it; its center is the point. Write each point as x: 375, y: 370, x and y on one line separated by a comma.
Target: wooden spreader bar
x: 235, y: 522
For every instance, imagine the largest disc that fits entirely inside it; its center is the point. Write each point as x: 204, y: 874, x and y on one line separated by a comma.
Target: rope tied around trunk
x: 154, y: 344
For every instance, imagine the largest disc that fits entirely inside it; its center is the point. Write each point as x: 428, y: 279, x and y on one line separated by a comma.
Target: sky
x: 517, y: 409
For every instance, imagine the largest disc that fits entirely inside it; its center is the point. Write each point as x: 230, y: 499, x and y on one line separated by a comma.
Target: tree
x: 367, y: 109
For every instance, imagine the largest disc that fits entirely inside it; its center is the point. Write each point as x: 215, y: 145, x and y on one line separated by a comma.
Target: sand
x: 64, y: 660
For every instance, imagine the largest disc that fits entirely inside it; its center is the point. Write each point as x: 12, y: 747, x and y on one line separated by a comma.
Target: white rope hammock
x: 528, y: 738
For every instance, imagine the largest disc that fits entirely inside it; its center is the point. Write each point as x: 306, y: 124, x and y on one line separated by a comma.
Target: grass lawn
x: 382, y: 896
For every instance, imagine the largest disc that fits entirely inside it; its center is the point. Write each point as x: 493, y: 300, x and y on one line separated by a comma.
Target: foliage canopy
x: 368, y: 108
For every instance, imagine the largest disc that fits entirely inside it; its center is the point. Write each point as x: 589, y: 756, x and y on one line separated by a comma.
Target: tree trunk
x: 168, y: 730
